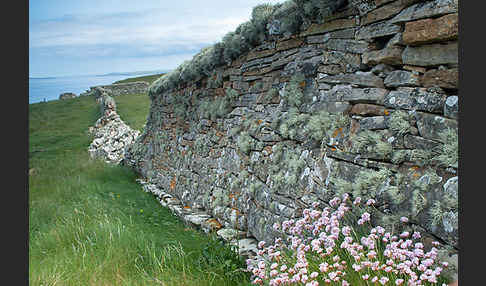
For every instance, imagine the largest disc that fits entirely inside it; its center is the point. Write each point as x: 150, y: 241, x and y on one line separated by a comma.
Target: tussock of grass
x: 90, y: 223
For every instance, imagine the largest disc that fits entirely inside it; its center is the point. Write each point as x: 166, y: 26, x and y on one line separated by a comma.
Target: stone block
x: 349, y: 60
x: 377, y: 30
x: 372, y: 123
x: 426, y: 10
x: 415, y: 99
x: 346, y: 45
x: 390, y: 56
x: 400, y: 78
x: 451, y: 107
x: 337, y: 24
x: 364, y: 109
x: 289, y: 44
x: 386, y: 11
x: 431, y: 55
x: 360, y: 79
x: 428, y: 31
x: 340, y: 34
x: 431, y: 125
x: 259, y: 54
x: 445, y: 78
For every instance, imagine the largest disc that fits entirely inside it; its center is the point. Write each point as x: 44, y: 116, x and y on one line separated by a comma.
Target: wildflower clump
x: 337, y: 245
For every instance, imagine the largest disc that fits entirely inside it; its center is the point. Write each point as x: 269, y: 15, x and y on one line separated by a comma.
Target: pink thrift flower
x: 261, y: 244
x: 399, y: 281
x: 404, y: 219
x: 365, y: 277
x: 313, y: 275
x: 357, y: 201
x: 370, y: 202
x: 383, y: 280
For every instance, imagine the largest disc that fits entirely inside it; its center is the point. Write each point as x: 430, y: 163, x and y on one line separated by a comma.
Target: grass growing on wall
x: 90, y: 223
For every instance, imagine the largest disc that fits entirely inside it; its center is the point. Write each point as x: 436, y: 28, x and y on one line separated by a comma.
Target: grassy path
x: 90, y: 223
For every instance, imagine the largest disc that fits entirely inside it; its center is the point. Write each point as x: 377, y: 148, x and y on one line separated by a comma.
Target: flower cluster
x: 334, y: 247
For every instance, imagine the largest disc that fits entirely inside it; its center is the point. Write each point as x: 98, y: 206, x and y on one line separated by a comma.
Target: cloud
x: 180, y: 29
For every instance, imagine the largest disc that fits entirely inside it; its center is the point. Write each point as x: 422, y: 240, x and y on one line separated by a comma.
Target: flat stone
x: 431, y: 55
x: 355, y: 95
x: 417, y: 142
x: 365, y: 109
x: 338, y: 24
x: 211, y: 225
x: 446, y: 78
x: 401, y: 78
x: 247, y: 246
x: 372, y: 123
x: 386, y: 11
x: 382, y: 70
x: 289, y: 44
x: 332, y: 69
x: 451, y: 107
x: 340, y: 34
x: 259, y: 54
x: 330, y: 106
x: 415, y: 99
x: 430, y: 125
x: 361, y: 79
x: 376, y: 30
x: 420, y: 70
x: 349, y: 60
x: 426, y: 10
x: 431, y: 30
x: 346, y: 45
x: 229, y: 234
x: 196, y: 219
x: 390, y: 56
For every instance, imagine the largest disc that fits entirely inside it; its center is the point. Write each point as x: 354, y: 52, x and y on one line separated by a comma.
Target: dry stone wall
x: 138, y: 87
x: 366, y: 103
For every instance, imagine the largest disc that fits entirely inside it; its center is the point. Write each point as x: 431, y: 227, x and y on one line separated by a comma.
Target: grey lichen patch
x: 371, y: 142
x: 399, y: 122
x: 246, y: 143
x: 448, y: 152
x: 293, y: 94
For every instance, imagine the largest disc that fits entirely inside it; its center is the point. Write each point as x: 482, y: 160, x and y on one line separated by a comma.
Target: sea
x: 49, y: 88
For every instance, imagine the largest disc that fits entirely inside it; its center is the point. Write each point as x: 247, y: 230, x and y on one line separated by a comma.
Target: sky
x: 92, y: 37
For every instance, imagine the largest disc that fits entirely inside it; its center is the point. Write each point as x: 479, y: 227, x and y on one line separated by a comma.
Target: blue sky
x: 102, y: 36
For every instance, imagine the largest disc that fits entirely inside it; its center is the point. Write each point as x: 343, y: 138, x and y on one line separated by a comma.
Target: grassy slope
x: 90, y: 223
x: 147, y: 78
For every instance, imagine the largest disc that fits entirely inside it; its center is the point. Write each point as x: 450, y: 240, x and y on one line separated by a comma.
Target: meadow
x: 90, y: 223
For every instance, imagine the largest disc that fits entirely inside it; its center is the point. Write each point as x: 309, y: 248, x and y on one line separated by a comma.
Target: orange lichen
x: 173, y: 183
x: 337, y: 132
x: 386, y: 112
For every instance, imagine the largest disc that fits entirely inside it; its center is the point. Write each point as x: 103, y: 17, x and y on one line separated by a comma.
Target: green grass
x: 147, y: 78
x: 91, y: 224
x: 133, y: 109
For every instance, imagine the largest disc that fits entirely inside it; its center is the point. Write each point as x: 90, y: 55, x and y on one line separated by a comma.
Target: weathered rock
x: 350, y: 61
x: 390, y: 56
x: 355, y: 95
x: 229, y: 234
x: 376, y: 30
x: 372, y: 123
x: 382, y: 70
x: 431, y: 55
x: 431, y: 30
x: 386, y: 11
x: 340, y: 34
x: 360, y: 79
x: 445, y: 78
x: 417, y: 142
x: 426, y: 10
x: 289, y: 44
x: 451, y: 107
x: 430, y: 125
x: 364, y: 109
x: 67, y: 95
x: 401, y: 78
x: 329, y: 26
x: 415, y: 99
x: 345, y: 45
